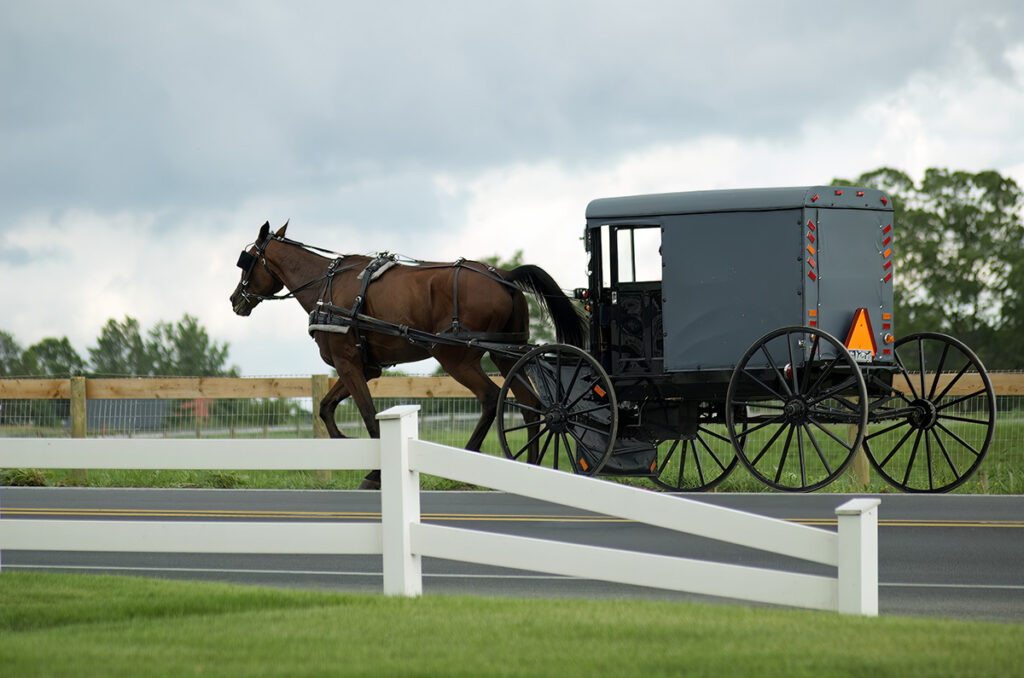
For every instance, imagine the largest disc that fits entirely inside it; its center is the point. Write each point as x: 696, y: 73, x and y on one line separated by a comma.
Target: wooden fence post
x: 321, y: 384
x: 78, y: 422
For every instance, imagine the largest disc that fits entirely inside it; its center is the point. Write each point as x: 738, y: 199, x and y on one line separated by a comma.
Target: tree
x: 185, y: 349
x: 11, y: 356
x: 959, y: 251
x: 120, y: 350
x: 53, y: 358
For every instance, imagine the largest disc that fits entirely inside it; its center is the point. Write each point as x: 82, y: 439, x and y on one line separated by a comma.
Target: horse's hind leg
x: 464, y: 367
x: 329, y: 404
x: 525, y: 396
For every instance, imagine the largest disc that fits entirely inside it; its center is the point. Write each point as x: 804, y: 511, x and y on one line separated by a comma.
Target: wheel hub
x: 924, y: 414
x: 557, y: 420
x: 795, y: 410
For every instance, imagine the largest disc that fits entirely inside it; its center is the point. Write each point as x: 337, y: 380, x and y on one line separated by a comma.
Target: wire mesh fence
x: 448, y: 421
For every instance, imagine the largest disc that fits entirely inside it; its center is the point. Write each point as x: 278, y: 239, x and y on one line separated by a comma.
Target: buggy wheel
x: 945, y: 412
x: 796, y: 409
x: 557, y: 409
x: 696, y: 461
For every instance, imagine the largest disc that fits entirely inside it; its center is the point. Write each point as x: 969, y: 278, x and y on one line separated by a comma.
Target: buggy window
x: 638, y: 252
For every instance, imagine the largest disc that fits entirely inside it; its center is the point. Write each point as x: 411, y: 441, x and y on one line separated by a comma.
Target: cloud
x: 143, y: 146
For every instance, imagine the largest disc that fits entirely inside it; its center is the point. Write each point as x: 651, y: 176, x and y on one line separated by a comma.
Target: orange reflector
x: 583, y: 463
x: 599, y: 391
x: 887, y: 316
x: 861, y: 336
x: 813, y: 313
x: 810, y: 248
x: 654, y: 465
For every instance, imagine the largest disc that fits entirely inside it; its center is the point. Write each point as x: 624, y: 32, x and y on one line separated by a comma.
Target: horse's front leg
x: 354, y: 381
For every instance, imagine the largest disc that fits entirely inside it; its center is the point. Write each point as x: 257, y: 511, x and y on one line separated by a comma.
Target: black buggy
x: 753, y: 327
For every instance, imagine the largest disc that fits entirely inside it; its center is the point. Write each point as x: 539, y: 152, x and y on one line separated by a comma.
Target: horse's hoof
x: 369, y: 485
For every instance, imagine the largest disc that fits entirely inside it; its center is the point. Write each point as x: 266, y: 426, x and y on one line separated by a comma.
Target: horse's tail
x: 570, y: 326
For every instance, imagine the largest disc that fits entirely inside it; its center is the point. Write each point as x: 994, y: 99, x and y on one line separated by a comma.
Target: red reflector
x: 860, y: 194
x: 815, y: 197
x: 810, y: 261
x: 887, y: 278
x: 887, y: 228
x: 810, y: 236
x: 886, y: 351
x: 887, y: 240
x: 885, y: 201
x: 813, y: 323
x: 839, y: 192
x: 886, y: 326
x: 887, y: 265
x: 810, y: 224
x: 810, y: 274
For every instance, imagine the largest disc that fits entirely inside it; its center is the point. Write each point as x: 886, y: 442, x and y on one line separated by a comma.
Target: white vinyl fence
x: 404, y: 540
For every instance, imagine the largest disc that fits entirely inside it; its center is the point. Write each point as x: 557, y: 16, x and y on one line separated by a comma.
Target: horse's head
x: 258, y: 282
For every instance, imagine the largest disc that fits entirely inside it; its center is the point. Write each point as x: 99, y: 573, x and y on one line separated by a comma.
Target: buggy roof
x: 738, y: 200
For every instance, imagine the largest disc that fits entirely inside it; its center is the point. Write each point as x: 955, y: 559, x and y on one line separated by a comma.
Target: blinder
x: 246, y: 261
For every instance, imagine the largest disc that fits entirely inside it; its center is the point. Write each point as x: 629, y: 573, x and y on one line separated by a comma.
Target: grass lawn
x: 79, y: 625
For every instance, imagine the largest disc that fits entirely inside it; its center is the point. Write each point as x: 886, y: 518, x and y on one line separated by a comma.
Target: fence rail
x: 403, y: 540
x: 1004, y: 384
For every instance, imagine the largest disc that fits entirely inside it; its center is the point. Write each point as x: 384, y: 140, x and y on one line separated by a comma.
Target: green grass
x: 78, y: 625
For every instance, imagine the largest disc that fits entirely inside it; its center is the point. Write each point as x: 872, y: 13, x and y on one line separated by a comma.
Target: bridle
x: 247, y: 262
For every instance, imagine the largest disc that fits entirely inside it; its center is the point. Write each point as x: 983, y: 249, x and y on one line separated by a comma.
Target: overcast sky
x: 142, y: 144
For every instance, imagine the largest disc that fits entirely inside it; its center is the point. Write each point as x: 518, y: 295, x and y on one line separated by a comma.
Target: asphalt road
x: 949, y: 556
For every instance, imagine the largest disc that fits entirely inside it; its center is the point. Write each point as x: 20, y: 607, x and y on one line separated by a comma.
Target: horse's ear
x: 264, y: 229
x: 280, y: 231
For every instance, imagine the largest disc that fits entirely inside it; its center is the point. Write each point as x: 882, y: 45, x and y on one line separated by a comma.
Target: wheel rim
x: 697, y: 461
x: 804, y: 402
x: 936, y: 426
x: 557, y: 408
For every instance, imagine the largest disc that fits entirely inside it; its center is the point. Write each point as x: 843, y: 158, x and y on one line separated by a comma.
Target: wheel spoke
x: 945, y: 454
x: 952, y: 383
x: 906, y: 375
x: 773, y: 420
x: 913, y: 456
x: 696, y: 460
x: 897, y: 446
x: 770, y: 442
x: 711, y: 433
x: 785, y: 453
x: 824, y: 374
x: 775, y: 368
x: 961, y: 399
x: 951, y: 417
x: 710, y: 451
x: 938, y: 370
x: 817, y: 448
x: 921, y: 364
x: 958, y: 439
x: 530, y: 442
x: 807, y: 370
x: 800, y: 450
x: 830, y: 434
x: 764, y: 385
x: 668, y: 456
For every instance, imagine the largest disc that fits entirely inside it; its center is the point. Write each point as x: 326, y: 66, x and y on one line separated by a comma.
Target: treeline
x: 181, y: 349
x: 959, y: 250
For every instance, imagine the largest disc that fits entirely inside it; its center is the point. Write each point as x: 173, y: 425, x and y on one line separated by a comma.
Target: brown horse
x: 463, y: 300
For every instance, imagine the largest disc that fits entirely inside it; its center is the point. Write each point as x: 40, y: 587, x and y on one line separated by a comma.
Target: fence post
x: 399, y: 501
x: 78, y: 422
x: 321, y: 383
x: 858, y: 557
